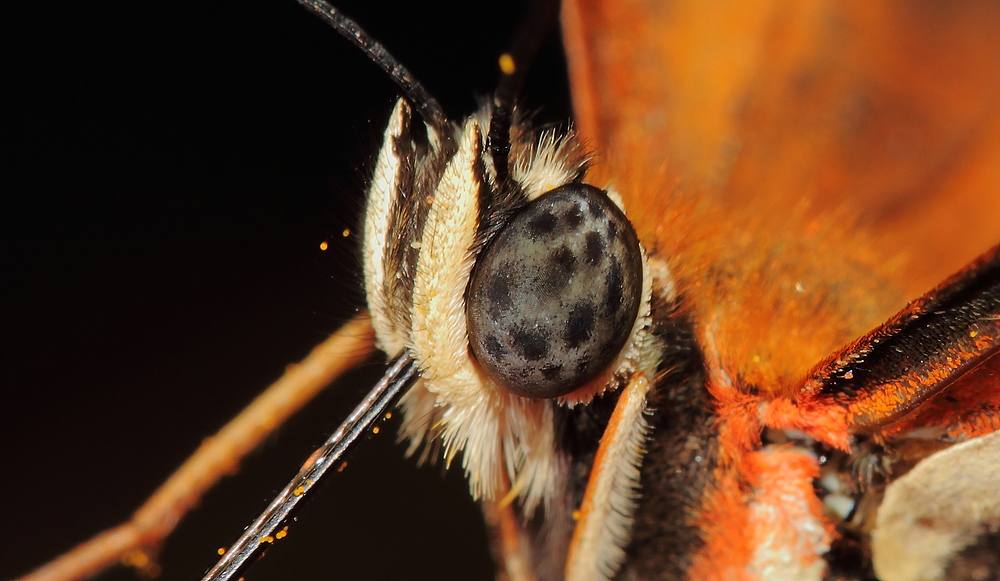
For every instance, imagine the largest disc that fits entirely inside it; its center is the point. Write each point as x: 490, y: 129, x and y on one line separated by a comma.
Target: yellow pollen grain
x: 346, y: 232
x: 507, y: 64
x: 342, y: 466
x: 576, y: 515
x: 281, y: 534
x: 375, y: 430
x: 268, y: 539
x: 221, y: 551
x: 323, y: 245
x: 299, y: 490
x: 973, y: 333
x: 388, y: 415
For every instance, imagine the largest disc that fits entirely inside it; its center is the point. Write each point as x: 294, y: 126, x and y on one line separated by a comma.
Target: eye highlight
x: 554, y: 296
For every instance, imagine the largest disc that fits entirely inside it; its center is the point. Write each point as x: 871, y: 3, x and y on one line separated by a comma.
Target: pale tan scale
x: 381, y: 195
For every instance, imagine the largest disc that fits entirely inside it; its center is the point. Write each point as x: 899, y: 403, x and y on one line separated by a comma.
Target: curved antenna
x: 426, y: 105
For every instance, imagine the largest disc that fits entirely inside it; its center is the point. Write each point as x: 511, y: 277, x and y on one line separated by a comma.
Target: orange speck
x: 267, y: 539
x: 346, y: 232
x: 323, y: 245
x: 507, y: 65
x: 388, y: 415
x: 973, y: 333
x: 221, y: 551
x: 282, y: 533
x: 299, y: 490
x: 342, y: 466
x: 137, y: 559
x: 375, y: 430
x: 576, y: 515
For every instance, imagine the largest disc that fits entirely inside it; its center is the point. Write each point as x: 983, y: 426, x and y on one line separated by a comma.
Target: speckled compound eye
x: 554, y: 296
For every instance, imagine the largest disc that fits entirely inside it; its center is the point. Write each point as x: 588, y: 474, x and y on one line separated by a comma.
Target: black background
x: 170, y: 172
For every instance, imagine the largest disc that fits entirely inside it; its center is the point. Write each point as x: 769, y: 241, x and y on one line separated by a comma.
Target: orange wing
x: 890, y: 108
x: 803, y: 169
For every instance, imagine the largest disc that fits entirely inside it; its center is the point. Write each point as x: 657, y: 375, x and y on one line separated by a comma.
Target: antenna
x: 426, y: 105
x: 402, y: 373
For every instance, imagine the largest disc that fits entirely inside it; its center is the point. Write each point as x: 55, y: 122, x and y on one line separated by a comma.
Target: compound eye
x: 554, y: 296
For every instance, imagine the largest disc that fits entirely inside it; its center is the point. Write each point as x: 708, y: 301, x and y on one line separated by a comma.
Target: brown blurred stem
x: 135, y: 541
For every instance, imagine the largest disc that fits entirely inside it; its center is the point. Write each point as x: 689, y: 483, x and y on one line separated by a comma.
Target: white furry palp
x: 381, y: 199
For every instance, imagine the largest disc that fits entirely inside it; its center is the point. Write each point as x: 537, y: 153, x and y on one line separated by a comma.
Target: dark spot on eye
x: 574, y: 217
x: 552, y: 372
x: 562, y: 265
x: 615, y: 285
x: 498, y: 290
x: 583, y: 366
x: 532, y: 345
x: 493, y: 347
x: 612, y: 231
x: 563, y: 258
x: 580, y: 325
x: 593, y: 248
x: 542, y: 224
x: 596, y: 210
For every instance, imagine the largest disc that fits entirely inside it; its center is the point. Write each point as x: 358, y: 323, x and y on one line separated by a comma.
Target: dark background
x: 170, y: 172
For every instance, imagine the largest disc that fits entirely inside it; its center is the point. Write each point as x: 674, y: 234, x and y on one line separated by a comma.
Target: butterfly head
x: 515, y: 285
